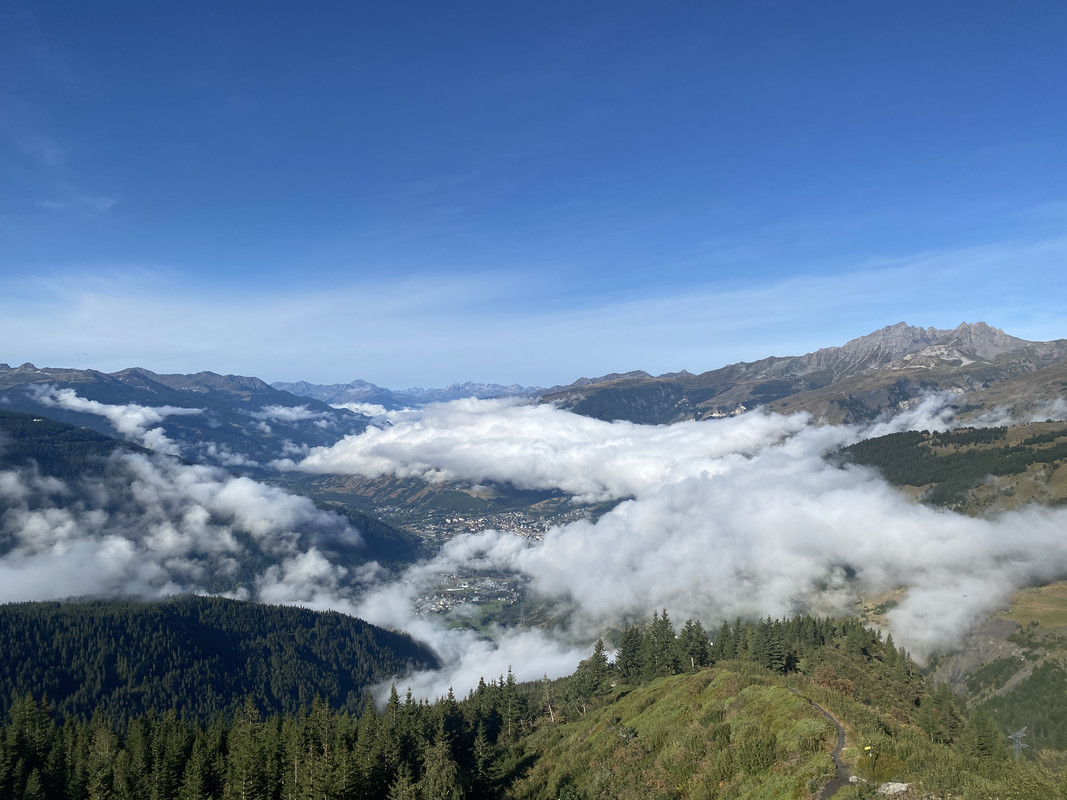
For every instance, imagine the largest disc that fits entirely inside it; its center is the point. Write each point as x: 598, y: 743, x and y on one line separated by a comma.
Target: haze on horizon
x: 419, y: 194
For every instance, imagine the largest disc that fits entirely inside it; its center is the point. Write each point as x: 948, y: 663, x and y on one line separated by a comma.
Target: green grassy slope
x: 973, y: 470
x: 739, y: 730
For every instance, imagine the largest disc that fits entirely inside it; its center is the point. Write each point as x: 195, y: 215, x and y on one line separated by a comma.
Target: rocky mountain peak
x: 872, y: 351
x: 903, y: 344
x: 894, y: 341
x: 982, y: 340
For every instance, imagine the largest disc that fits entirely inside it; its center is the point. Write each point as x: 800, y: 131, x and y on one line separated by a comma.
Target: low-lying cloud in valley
x: 741, y: 516
x: 712, y: 520
x: 153, y: 526
x: 135, y: 422
x: 541, y: 447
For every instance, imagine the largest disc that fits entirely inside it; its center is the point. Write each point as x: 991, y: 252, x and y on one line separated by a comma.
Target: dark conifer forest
x: 200, y: 657
x: 111, y: 718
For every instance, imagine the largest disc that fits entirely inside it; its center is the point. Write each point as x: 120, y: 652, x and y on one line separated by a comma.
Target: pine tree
x: 510, y: 707
x: 197, y: 783
x: 723, y: 647
x: 370, y: 762
x: 403, y: 788
x: 629, y: 659
x: 693, y: 645
x: 661, y: 656
x: 245, y: 775
x: 858, y: 640
x: 321, y: 750
x: 742, y: 634
x: 589, y: 680
x: 103, y: 754
x: 598, y: 665
x: 891, y: 656
x: 482, y: 755
x: 34, y: 786
x: 767, y: 650
x: 981, y: 737
x: 440, y: 772
x: 139, y: 746
x: 76, y: 746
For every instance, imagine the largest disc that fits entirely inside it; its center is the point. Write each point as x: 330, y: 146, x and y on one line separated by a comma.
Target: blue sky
x: 424, y: 193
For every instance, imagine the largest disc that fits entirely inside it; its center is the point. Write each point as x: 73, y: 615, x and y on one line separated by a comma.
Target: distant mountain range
x: 359, y: 391
x: 243, y: 422
x: 883, y: 371
x: 228, y: 420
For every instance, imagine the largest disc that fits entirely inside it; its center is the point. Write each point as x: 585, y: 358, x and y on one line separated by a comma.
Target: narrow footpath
x: 842, y: 776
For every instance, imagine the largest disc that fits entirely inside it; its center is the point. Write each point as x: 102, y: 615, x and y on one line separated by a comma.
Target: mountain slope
x: 859, y: 380
x: 973, y: 470
x: 201, y: 656
x: 229, y: 420
x: 103, y: 489
x: 54, y: 448
x: 740, y: 730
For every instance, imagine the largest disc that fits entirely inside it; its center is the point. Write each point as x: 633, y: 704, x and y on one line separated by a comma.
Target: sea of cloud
x: 741, y: 516
x: 152, y: 525
x: 734, y: 517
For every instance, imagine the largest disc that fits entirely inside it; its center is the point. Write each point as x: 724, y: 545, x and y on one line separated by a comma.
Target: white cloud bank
x: 541, y: 447
x: 277, y: 413
x: 153, y: 526
x: 720, y: 518
x: 131, y: 420
x: 716, y: 519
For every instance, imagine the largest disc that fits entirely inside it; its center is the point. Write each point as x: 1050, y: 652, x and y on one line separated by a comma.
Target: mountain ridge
x: 882, y: 371
x: 864, y: 377
x: 234, y: 421
x: 361, y: 391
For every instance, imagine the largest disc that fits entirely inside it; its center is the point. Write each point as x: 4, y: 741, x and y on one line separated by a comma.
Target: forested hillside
x: 751, y: 715
x: 197, y: 656
x: 225, y: 420
x: 85, y: 461
x: 55, y: 448
x: 973, y: 469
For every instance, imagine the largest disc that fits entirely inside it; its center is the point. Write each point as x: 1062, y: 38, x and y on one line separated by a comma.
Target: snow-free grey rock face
x: 340, y: 393
x: 242, y: 421
x: 858, y: 380
x: 855, y: 381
